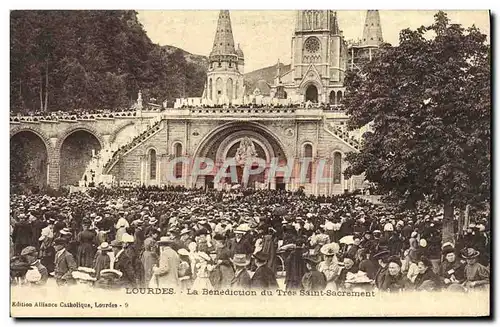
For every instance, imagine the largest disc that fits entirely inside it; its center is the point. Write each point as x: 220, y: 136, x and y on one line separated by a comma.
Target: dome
x: 239, y: 52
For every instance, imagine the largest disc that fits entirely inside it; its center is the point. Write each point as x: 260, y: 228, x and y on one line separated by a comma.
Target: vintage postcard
x: 309, y: 163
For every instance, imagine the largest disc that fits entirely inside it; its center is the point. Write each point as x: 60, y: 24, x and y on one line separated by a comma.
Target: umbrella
x: 349, y: 239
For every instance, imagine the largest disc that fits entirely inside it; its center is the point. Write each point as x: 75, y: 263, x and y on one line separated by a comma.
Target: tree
x: 91, y: 59
x: 428, y: 101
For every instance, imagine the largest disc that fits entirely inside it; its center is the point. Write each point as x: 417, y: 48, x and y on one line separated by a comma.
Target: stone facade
x: 146, y: 149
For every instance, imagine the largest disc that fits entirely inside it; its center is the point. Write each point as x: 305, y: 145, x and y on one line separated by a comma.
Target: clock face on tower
x: 312, y: 45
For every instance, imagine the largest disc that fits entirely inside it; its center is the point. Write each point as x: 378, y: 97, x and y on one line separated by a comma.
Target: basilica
x: 320, y: 56
x: 284, y: 131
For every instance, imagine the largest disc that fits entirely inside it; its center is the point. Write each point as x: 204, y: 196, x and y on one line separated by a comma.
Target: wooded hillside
x: 67, y: 60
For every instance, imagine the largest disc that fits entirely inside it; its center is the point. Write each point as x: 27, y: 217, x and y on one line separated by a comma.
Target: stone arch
x: 36, y: 131
x: 303, y: 147
x: 312, y: 93
x: 306, y: 84
x: 117, y: 131
x: 75, y: 153
x: 175, y: 147
x: 217, y: 135
x: 77, y: 128
x: 30, y: 154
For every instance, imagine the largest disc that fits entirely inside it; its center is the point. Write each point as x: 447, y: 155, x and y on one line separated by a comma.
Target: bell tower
x: 318, y: 54
x: 225, y: 72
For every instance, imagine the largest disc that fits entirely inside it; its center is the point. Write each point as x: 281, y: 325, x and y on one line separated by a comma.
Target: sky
x: 265, y: 35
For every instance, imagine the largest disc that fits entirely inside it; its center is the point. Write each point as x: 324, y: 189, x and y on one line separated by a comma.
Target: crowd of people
x: 323, y: 106
x: 240, y: 239
x: 69, y: 115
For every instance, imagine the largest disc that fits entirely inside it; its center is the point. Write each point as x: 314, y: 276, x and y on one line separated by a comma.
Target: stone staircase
x: 344, y: 135
x: 100, y: 165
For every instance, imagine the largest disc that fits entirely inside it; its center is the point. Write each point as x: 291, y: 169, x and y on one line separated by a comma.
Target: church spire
x: 334, y: 28
x: 372, y: 32
x: 223, y: 41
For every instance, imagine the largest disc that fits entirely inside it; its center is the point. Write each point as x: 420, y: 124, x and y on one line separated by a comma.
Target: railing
x: 114, y: 156
x: 267, y: 110
x: 100, y: 164
x: 56, y: 118
x: 344, y: 135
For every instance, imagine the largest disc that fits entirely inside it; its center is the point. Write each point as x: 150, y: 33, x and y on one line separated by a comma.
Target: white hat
x: 423, y: 243
x: 243, y: 228
x: 388, y: 227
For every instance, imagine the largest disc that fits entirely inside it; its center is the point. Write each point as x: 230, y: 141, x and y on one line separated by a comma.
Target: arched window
x: 178, y: 165
x: 210, y: 89
x: 337, y: 168
x: 152, y: 164
x: 339, y: 97
x: 308, y: 153
x: 218, y: 89
x: 236, y: 89
x: 332, y: 97
x: 229, y: 89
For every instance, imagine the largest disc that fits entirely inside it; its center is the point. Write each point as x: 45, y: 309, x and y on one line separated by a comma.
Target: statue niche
x: 246, y: 152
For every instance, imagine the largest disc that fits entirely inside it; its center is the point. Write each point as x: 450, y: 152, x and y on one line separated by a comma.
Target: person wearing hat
x: 103, y: 258
x: 86, y: 249
x: 241, y: 278
x: 185, y: 237
x: 365, y: 264
x: 330, y: 265
x: 202, y: 242
x: 123, y: 263
x: 204, y: 268
x: 476, y: 275
x: 313, y: 280
x: 31, y: 256
x: 426, y: 279
x: 295, y: 265
x: 139, y: 237
x: 264, y: 277
x: 64, y: 264
x: 149, y: 259
x: 166, y: 273
x: 46, y: 249
x: 223, y: 273
x: 121, y: 228
x: 348, y: 267
x: 451, y: 270
x: 382, y: 259
x: 241, y: 242
x: 395, y: 280
x: 22, y: 235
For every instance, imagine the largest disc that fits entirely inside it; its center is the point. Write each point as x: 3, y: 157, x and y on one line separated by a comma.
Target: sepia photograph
x: 250, y: 163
